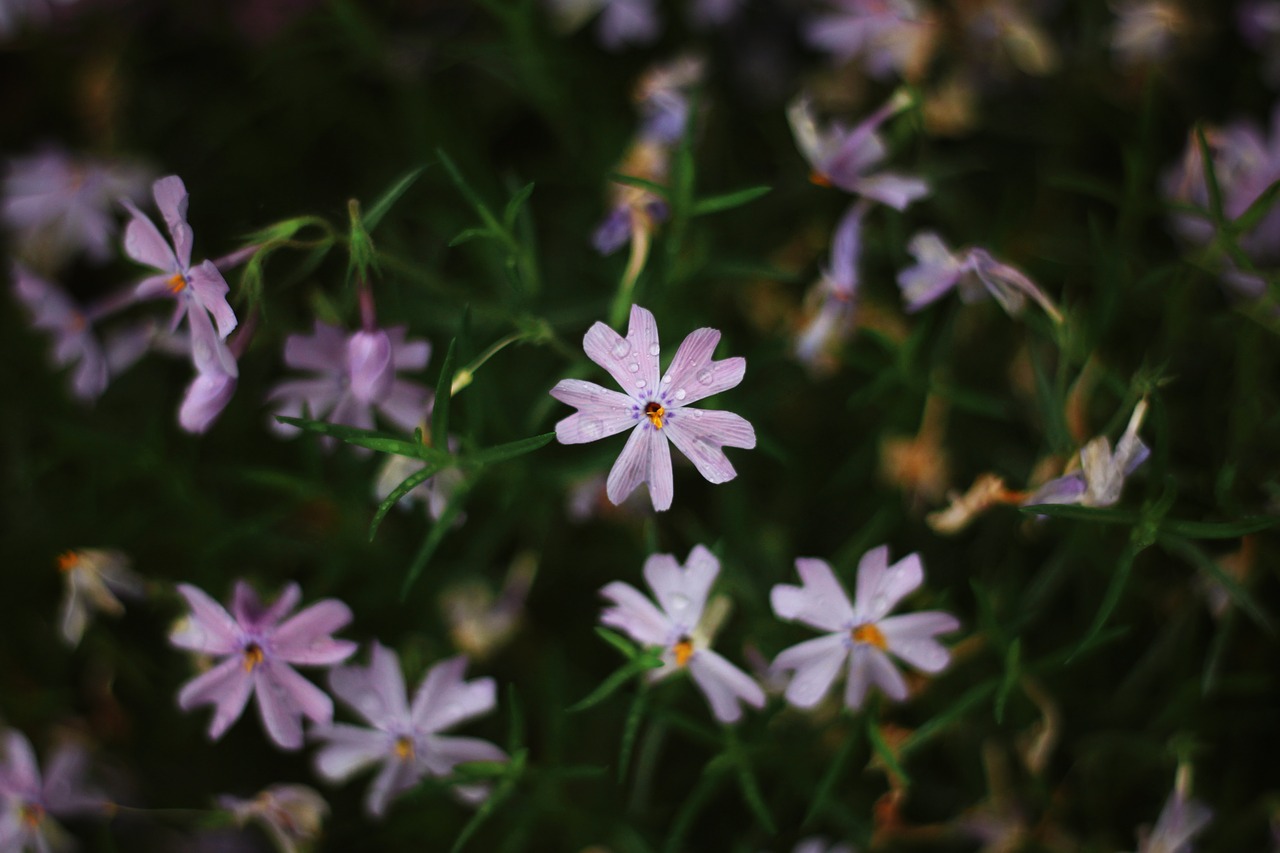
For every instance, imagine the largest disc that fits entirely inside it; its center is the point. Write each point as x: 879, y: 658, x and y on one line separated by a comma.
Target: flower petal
x: 406, y: 404
x: 699, y: 434
x: 881, y: 586
x: 635, y: 614
x: 442, y: 754
x: 304, y: 638
x: 375, y: 691
x: 444, y: 699
x: 249, y: 611
x: 408, y: 354
x: 816, y: 663
x: 284, y: 697
x: 883, y: 673
x: 724, y: 685
x: 694, y: 375
x: 209, y: 629
x: 324, y: 350
x: 821, y: 602
x: 64, y: 790
x: 144, y: 243
x: 211, y: 290
x: 171, y: 200
x: 208, y: 353
x: 205, y: 398
x: 394, y: 778
x: 347, y: 750
x: 601, y: 412
x: 22, y: 772
x: 897, y: 191
x: 631, y: 360
x: 911, y: 638
x: 682, y: 592
x: 935, y: 272
x: 227, y: 686
x: 633, y: 465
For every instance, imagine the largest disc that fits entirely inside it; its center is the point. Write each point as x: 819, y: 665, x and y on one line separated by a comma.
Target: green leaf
x: 829, y: 778
x: 472, y: 234
x: 1218, y: 529
x: 1240, y: 596
x: 380, y: 207
x: 513, y: 206
x: 747, y: 781
x: 630, y: 730
x: 362, y: 255
x: 435, y: 536
x: 500, y: 794
x: 1210, y: 177
x: 886, y: 754
x: 640, y: 183
x: 728, y: 201
x: 1260, y: 207
x: 1012, y: 671
x: 503, y: 452
x: 473, y: 198
x: 610, y: 685
x: 444, y: 394
x: 369, y: 438
x: 629, y: 650
x: 410, y: 483
x: 940, y: 723
x: 1110, y: 599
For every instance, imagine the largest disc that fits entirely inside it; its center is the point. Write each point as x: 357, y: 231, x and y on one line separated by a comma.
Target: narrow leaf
x: 818, y: 802
x: 1012, y: 671
x: 513, y: 206
x: 629, y: 650
x: 472, y: 234
x: 503, y: 452
x: 472, y: 197
x: 368, y: 438
x: 1240, y: 596
x: 883, y: 750
x: 500, y: 794
x: 747, y: 782
x: 610, y: 685
x: 728, y: 201
x: 434, y: 536
x: 410, y: 483
x: 1210, y: 177
x: 1218, y: 529
x: 444, y: 388
x: 380, y: 207
x: 629, y: 732
x: 953, y: 714
x: 1083, y: 513
x: 640, y: 183
x: 1110, y: 599
x: 1260, y: 207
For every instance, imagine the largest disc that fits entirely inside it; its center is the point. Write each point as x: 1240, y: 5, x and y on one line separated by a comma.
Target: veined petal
x: 682, y: 592
x: 284, y: 697
x: 375, y: 691
x: 821, y: 602
x: 144, y: 243
x: 601, y: 412
x: 304, y: 638
x: 724, y: 685
x: 881, y: 586
x: 171, y: 200
x: 699, y: 434
x: 635, y: 614
x: 227, y: 686
x: 816, y: 663
x: 347, y: 750
x: 632, y: 465
x: 695, y: 376
x: 911, y: 638
x: 210, y: 629
x: 211, y: 290
x: 631, y: 360
x: 661, y: 484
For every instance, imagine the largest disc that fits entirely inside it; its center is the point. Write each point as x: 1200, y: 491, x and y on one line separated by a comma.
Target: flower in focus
x: 846, y: 158
x: 29, y: 800
x: 1101, y: 475
x: 972, y: 272
x: 200, y: 291
x: 832, y: 302
x: 289, y: 814
x: 92, y: 578
x: 1147, y: 31
x: 356, y: 375
x: 653, y: 408
x: 886, y: 35
x: 1180, y: 821
x: 861, y: 633
x: 404, y: 738
x: 257, y: 643
x: 683, y: 628
x: 56, y: 205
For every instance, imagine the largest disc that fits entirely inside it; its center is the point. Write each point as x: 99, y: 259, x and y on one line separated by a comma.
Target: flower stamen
x: 655, y: 413
x: 253, y: 656
x: 404, y: 748
x: 177, y: 282
x: 870, y: 635
x: 683, y: 651
x: 68, y: 560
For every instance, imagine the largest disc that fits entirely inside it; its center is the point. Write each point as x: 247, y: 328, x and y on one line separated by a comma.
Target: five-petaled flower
x: 683, y: 628
x: 29, y: 800
x: 862, y: 632
x: 653, y: 407
x: 405, y: 738
x: 257, y: 644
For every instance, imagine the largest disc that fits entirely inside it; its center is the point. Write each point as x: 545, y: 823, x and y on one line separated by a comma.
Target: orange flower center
x: 404, y: 748
x: 816, y: 177
x: 655, y: 413
x: 684, y: 651
x: 68, y: 560
x: 32, y: 814
x: 869, y: 634
x: 253, y: 656
x: 177, y: 282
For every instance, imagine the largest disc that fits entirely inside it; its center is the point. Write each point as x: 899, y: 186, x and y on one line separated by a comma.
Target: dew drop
x: 640, y: 383
x: 681, y: 394
x: 621, y: 348
x: 705, y: 376
x: 654, y: 349
x: 679, y: 601
x: 697, y: 413
x: 666, y: 380
x: 592, y: 428
x: 633, y: 367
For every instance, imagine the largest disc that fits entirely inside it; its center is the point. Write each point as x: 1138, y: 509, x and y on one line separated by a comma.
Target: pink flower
x: 653, y: 407
x: 29, y: 801
x: 683, y: 628
x: 256, y: 648
x: 972, y: 272
x: 887, y: 35
x: 861, y: 634
x: 1180, y: 821
x: 404, y: 738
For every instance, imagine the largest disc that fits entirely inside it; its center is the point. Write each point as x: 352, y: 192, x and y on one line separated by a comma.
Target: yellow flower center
x: 252, y: 656
x: 404, y: 748
x: 683, y: 651
x: 177, y: 282
x: 68, y: 560
x: 655, y: 413
x: 32, y: 814
x: 869, y: 634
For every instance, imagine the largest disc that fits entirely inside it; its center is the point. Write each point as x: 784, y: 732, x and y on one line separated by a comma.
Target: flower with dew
x: 356, y: 375
x: 200, y: 291
x: 832, y: 302
x: 1180, y: 821
x: 654, y: 407
x: 74, y: 338
x: 1102, y: 472
x: 406, y: 739
x: 257, y: 644
x: 92, y: 580
x: 862, y: 633
x: 289, y: 814
x: 886, y: 36
x: 972, y: 272
x: 57, y: 205
x: 847, y: 158
x: 30, y: 800
x: 683, y: 626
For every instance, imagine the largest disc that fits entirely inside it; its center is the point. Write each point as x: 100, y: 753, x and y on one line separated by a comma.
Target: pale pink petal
x: 700, y: 434
x: 369, y: 365
x: 211, y: 290
x: 318, y: 395
x: 284, y: 697
x: 65, y: 792
x: 227, y: 687
x: 444, y: 699
x: 442, y: 754
x: 724, y: 685
x: 405, y: 405
x: 859, y: 679
x: 210, y: 629
x: 632, y: 465
x: 395, y: 777
x: 881, y: 586
x: 304, y: 638
x: 883, y: 673
x: 682, y: 592
x: 816, y: 663
x: 661, y: 484
x: 897, y: 191
x: 171, y: 200
x: 348, y: 749
x: 325, y: 350
x: 821, y: 602
x: 375, y: 691
x: 642, y: 334
x: 205, y: 398
x: 408, y: 354
x: 911, y: 638
x: 635, y: 614
x: 250, y: 612
x: 208, y: 353
x: 615, y: 354
x: 695, y: 376
x: 144, y: 243
x: 601, y: 412
x: 21, y: 767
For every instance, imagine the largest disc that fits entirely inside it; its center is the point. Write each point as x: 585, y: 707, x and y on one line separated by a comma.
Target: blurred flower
x: 662, y: 97
x: 1180, y: 821
x: 257, y: 648
x: 405, y: 739
x: 206, y: 397
x: 885, y: 35
x: 654, y: 410
x: 480, y: 623
x: 861, y: 633
x: 1101, y: 475
x: 845, y: 158
x: 684, y: 628
x: 1259, y: 22
x: 918, y: 465
x: 56, y: 205
x: 588, y: 498
x: 30, y: 801
x: 434, y: 492
x: 972, y: 272
x: 290, y: 814
x: 1005, y: 32
x: 92, y: 578
x: 1237, y: 565
x: 200, y: 291
x: 1146, y: 31
x: 357, y: 374
x: 819, y: 845
x: 74, y: 341
x: 831, y: 304
x: 988, y: 490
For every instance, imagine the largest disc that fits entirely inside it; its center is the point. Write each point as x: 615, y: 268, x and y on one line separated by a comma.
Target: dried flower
x: 92, y: 578
x: 290, y: 814
x: 1101, y: 475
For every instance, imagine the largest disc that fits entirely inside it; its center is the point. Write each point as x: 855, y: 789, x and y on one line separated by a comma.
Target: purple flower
x: 653, y: 408
x: 972, y: 272
x: 206, y: 397
x: 30, y: 801
x: 256, y: 648
x: 404, y: 738
x: 290, y: 814
x: 662, y: 96
x: 832, y: 302
x: 200, y: 291
x: 628, y: 22
x: 74, y: 341
x: 861, y: 633
x: 683, y: 628
x: 92, y: 579
x: 57, y: 205
x: 819, y: 845
x: 357, y: 374
x: 1102, y: 473
x: 888, y: 35
x: 1180, y: 821
x: 845, y: 158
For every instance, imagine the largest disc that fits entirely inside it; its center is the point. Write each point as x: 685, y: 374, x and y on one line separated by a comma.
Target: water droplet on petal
x: 705, y: 376
x: 654, y: 349
x: 640, y: 383
x: 697, y: 413
x: 621, y: 348
x: 680, y: 394
x: 679, y: 601
x: 633, y: 367
x: 666, y: 380
x: 592, y: 428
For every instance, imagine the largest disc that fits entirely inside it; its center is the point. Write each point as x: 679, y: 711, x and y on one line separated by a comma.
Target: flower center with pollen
x: 32, y: 814
x: 683, y: 651
x: 177, y: 282
x: 252, y: 656
x: 869, y: 634
x: 68, y: 560
x: 404, y: 748
x: 655, y: 413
